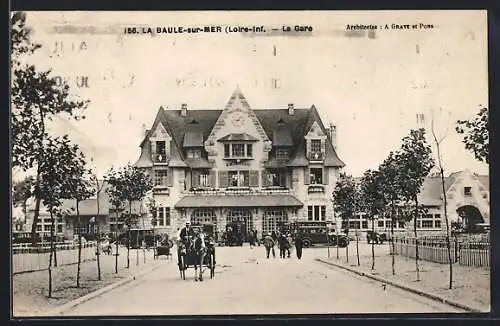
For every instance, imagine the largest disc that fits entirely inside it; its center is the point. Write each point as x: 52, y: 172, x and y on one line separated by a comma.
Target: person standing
x: 282, y: 243
x: 269, y: 245
x: 298, y: 245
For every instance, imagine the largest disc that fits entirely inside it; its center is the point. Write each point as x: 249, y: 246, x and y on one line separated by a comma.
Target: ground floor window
x: 273, y: 218
x: 242, y: 215
x: 161, y: 216
x: 203, y: 215
x: 316, y: 213
x: 429, y: 221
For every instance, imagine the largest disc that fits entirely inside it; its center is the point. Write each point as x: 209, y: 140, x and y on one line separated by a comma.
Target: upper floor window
x: 316, y: 213
x: 239, y: 178
x: 274, y: 178
x: 467, y: 191
x: 282, y: 153
x: 316, y: 176
x: 315, y: 145
x: 161, y: 153
x: 193, y: 153
x: 161, y: 216
x: 238, y: 150
x: 160, y: 177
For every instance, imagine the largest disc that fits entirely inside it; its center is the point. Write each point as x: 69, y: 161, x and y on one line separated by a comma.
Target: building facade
x: 259, y: 168
x: 467, y: 202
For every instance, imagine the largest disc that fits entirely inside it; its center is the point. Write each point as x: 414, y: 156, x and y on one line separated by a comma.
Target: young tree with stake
x: 415, y: 162
x: 345, y: 197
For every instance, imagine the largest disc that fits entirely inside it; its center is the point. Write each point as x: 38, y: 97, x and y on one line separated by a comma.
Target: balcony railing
x: 316, y: 188
x: 315, y: 156
x: 238, y: 190
x: 160, y: 158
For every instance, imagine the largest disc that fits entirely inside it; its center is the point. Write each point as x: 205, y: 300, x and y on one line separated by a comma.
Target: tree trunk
x: 448, y: 245
x: 51, y: 252
x: 357, y: 247
x: 154, y: 242
x: 373, y: 244
x: 144, y: 237
x: 416, y: 238
x: 35, y: 222
x: 346, y: 247
x: 116, y: 242
x: 38, y: 179
x: 52, y: 244
x: 337, y: 237
x: 79, y: 244
x: 393, y: 258
x: 128, y: 233
x: 98, y: 251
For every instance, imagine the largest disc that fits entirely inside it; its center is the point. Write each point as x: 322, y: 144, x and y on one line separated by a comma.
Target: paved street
x: 247, y: 283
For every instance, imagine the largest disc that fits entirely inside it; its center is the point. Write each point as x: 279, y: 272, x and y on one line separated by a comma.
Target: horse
x: 192, y: 252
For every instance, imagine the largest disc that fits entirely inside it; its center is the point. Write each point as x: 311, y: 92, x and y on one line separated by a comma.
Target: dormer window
x: 193, y: 153
x: 316, y: 176
x: 160, y: 156
x: 315, y: 145
x: 282, y: 153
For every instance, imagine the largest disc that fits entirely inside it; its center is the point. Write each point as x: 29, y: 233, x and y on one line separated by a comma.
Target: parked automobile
x: 375, y: 237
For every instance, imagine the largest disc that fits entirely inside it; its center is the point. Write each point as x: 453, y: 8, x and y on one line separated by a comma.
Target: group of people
x: 284, y: 242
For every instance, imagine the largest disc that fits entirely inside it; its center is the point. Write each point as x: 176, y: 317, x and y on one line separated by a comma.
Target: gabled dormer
x: 160, y: 145
x: 315, y: 143
x: 193, y: 141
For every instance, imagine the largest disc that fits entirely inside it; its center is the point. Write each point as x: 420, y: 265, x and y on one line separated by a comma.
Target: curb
x: 69, y: 305
x: 404, y: 287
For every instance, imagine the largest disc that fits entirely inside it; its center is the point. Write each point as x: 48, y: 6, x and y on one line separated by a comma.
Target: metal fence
x: 463, y: 250
x: 37, y: 258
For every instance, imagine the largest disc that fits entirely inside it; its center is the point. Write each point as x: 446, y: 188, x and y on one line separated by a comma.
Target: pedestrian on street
x: 289, y: 242
x: 298, y: 244
x: 269, y: 245
x: 251, y: 238
x: 282, y: 243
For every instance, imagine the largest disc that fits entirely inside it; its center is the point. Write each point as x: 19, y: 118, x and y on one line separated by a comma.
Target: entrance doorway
x: 242, y: 217
x: 471, y: 217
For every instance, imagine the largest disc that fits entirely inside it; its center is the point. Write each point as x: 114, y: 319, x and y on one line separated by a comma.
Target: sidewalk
x: 471, y: 285
x: 30, y: 290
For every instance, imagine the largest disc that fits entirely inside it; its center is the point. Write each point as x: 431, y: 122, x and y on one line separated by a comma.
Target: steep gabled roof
x: 186, y: 130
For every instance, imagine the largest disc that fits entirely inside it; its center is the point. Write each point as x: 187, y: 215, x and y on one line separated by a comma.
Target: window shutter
x: 212, y: 179
x: 306, y: 176
x: 325, y: 176
x: 223, y: 179
x: 254, y: 178
x: 170, y: 177
x: 195, y: 179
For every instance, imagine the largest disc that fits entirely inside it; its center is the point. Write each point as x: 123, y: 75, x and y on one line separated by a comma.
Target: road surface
x: 248, y: 283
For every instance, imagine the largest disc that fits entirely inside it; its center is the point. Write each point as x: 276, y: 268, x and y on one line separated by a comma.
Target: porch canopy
x: 239, y: 200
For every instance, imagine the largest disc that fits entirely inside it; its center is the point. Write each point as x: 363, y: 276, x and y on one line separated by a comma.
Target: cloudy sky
x: 371, y: 88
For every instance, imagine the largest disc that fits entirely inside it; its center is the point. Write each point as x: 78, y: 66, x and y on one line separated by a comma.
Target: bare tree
x: 438, y: 141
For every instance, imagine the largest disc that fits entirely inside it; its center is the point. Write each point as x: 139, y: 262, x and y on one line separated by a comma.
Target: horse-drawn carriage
x: 192, y: 253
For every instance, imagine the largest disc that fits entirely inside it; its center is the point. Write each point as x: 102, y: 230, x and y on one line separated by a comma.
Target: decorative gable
x: 160, y: 144
x: 234, y: 115
x: 315, y: 143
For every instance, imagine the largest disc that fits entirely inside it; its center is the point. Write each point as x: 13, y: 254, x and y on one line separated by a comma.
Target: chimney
x: 333, y: 135
x: 184, y: 109
x: 290, y: 109
x: 144, y: 130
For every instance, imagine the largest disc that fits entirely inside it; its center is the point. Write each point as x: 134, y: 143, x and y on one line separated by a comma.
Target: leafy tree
x: 98, y: 186
x: 58, y: 170
x: 391, y: 175
x: 373, y: 199
x: 416, y: 163
x: 23, y: 190
x: 115, y: 192
x: 78, y: 185
x: 476, y: 135
x: 345, y: 198
x: 35, y: 98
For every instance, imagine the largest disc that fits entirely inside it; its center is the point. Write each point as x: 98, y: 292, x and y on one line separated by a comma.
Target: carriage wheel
x: 212, y: 266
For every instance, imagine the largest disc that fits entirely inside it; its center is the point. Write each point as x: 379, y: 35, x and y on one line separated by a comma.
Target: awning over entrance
x: 239, y: 200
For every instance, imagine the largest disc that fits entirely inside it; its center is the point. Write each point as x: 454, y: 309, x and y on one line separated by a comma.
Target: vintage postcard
x: 260, y: 162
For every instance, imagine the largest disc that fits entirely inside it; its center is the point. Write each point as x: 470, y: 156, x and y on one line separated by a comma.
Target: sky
x: 371, y: 88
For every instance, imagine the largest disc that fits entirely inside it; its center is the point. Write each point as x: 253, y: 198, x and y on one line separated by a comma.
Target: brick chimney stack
x: 333, y: 135
x: 184, y: 109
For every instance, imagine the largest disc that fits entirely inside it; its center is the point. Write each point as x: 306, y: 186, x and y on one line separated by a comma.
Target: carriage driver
x: 185, y: 232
